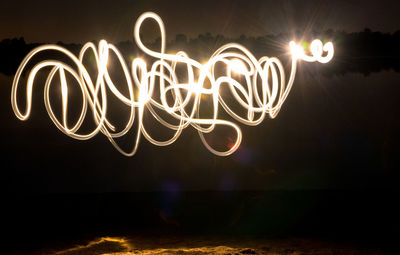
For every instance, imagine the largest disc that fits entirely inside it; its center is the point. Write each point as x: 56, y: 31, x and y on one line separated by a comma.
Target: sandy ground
x: 202, y: 246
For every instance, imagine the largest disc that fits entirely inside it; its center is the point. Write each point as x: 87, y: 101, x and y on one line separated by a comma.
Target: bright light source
x: 238, y: 66
x: 261, y: 93
x: 317, y: 50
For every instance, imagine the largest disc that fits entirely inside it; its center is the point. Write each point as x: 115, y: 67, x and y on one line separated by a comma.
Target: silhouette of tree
x: 364, y: 52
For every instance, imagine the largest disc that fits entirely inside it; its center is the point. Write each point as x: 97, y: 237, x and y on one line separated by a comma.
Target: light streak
x: 81, y: 248
x: 259, y: 86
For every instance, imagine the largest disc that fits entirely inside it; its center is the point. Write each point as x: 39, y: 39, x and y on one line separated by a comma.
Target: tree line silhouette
x: 361, y: 52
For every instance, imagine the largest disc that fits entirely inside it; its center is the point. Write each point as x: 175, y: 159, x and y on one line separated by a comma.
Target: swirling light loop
x: 261, y: 88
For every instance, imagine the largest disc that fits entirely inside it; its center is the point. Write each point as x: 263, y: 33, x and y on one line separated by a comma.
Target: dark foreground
x: 270, y: 222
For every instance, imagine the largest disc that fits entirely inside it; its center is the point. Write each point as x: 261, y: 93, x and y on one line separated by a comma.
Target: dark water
x: 367, y: 218
x: 327, y: 167
x: 337, y: 132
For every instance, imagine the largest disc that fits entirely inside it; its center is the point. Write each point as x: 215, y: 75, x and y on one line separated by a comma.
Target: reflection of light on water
x: 258, y: 86
x: 227, y: 182
x: 168, y: 202
x: 245, y: 155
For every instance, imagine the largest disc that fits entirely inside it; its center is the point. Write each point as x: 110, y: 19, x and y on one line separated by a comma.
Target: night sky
x: 81, y: 21
x: 336, y: 130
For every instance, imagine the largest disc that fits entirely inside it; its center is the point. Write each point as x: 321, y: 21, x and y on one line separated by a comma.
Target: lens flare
x: 258, y: 86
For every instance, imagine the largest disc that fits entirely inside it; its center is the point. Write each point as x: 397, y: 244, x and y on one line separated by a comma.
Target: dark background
x: 326, y: 167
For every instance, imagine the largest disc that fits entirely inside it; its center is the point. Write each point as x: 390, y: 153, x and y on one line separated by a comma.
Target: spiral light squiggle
x: 259, y: 86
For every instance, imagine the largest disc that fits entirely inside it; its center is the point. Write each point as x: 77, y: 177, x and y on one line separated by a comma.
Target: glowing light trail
x: 259, y: 86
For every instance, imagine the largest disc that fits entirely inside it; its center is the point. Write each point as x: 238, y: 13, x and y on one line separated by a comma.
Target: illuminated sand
x: 258, y: 86
x: 203, y: 246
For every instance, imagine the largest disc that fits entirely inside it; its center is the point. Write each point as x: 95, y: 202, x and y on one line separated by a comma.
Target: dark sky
x: 81, y: 21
